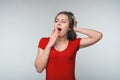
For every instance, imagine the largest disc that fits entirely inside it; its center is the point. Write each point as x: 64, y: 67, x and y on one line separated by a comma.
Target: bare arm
x: 43, y: 55
x: 93, y: 36
x: 42, y: 58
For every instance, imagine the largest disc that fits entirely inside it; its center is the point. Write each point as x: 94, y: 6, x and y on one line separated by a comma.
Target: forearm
x: 93, y: 36
x: 42, y: 59
x: 89, y: 32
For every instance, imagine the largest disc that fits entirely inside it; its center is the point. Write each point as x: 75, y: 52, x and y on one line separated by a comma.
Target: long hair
x: 71, y: 35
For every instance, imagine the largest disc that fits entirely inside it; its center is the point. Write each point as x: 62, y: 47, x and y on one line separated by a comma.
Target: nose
x: 59, y: 22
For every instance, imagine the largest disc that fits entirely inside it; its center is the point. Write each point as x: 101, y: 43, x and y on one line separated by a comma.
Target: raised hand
x: 53, y: 37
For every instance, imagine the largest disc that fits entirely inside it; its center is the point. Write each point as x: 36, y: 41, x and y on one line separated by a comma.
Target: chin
x: 60, y: 36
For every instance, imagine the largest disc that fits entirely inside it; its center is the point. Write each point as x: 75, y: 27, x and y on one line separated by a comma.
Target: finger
x: 52, y: 32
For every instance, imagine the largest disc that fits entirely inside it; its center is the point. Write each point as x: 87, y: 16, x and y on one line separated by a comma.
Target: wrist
x: 48, y: 46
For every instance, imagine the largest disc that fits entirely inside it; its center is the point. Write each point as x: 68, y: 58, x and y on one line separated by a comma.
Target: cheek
x: 66, y: 27
x: 65, y: 30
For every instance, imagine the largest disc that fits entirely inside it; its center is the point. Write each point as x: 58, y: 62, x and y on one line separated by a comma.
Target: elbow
x: 100, y: 35
x: 39, y: 69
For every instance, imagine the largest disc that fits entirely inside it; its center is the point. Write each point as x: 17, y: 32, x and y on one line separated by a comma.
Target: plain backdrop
x: 24, y: 22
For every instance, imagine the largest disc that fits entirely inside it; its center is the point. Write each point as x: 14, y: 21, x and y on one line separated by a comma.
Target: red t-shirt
x: 61, y: 64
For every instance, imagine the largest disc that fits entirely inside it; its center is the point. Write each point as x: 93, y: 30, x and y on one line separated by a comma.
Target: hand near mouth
x: 53, y: 37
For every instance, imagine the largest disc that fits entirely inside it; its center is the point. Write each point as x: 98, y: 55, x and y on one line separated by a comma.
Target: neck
x: 62, y: 39
x: 61, y: 43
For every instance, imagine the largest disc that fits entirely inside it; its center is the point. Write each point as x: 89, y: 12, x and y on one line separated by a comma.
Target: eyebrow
x: 62, y: 19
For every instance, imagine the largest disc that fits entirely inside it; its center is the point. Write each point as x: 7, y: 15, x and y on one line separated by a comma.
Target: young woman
x: 57, y: 53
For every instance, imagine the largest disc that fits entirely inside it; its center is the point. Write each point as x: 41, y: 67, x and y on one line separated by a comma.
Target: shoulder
x: 44, y: 39
x: 43, y: 42
x: 75, y: 44
x: 77, y: 40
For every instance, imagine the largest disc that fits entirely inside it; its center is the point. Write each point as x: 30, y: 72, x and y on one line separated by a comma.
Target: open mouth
x: 59, y: 29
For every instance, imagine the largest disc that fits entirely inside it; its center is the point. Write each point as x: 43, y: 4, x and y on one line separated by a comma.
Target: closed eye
x: 56, y: 20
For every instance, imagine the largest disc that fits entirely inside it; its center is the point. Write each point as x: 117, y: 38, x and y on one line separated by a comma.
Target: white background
x: 24, y: 22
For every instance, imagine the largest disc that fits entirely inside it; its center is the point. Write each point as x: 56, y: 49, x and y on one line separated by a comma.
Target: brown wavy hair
x: 71, y: 33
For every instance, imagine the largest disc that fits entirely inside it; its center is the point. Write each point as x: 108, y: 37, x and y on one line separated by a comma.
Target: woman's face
x: 62, y: 24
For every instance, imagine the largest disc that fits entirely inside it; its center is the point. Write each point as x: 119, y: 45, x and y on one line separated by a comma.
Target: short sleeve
x: 75, y: 44
x: 43, y: 42
x: 78, y: 43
